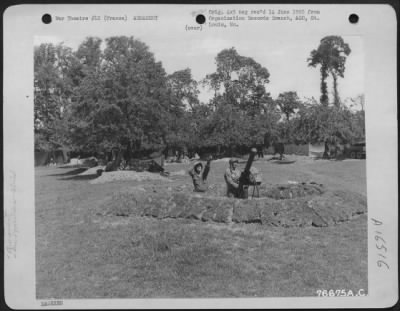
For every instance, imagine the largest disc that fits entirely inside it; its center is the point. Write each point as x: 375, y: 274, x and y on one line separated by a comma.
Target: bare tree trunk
x: 335, y: 90
x: 128, y: 151
x: 326, y: 150
x: 324, y: 88
x: 118, y: 160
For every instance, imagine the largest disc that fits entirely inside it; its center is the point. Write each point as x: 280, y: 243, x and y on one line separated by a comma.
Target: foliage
x: 184, y: 87
x: 319, y: 123
x: 358, y: 125
x: 123, y: 99
x: 114, y: 94
x: 331, y: 56
x: 242, y: 109
x: 358, y: 101
x: 52, y: 89
x: 239, y: 81
x: 288, y: 102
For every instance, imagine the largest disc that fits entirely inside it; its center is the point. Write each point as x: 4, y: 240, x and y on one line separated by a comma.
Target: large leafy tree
x: 240, y: 81
x: 123, y: 99
x: 53, y: 92
x: 288, y: 102
x: 331, y: 57
x: 319, y: 124
x: 242, y: 109
x: 183, y: 131
x: 89, y: 82
x: 184, y: 87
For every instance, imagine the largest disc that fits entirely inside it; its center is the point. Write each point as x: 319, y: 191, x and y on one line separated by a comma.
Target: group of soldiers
x: 233, y: 177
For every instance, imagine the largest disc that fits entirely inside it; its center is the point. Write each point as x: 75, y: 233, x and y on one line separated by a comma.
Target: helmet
x: 197, y: 164
x: 232, y: 160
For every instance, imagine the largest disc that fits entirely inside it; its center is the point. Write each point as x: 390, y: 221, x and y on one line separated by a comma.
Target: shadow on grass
x: 80, y: 177
x: 338, y: 158
x: 74, y: 166
x: 69, y: 173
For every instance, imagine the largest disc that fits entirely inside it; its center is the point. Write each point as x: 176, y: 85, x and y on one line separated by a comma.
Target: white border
x: 377, y: 26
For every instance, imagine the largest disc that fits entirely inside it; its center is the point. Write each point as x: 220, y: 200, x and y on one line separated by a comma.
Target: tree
x: 331, y: 56
x: 288, y: 102
x: 358, y: 125
x: 184, y: 87
x: 53, y: 91
x: 90, y: 54
x: 226, y: 127
x: 240, y: 81
x: 320, y: 124
x: 242, y: 110
x: 359, y: 101
x: 89, y: 81
x: 123, y: 100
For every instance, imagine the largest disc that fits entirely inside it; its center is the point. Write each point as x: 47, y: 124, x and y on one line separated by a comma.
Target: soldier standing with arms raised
x: 199, y: 176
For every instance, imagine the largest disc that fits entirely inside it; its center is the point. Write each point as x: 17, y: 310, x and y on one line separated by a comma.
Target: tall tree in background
x: 122, y: 99
x: 89, y: 83
x: 332, y: 124
x: 331, y: 56
x: 94, y: 99
x: 288, y: 102
x: 184, y: 87
x: 241, y: 104
x: 240, y: 81
x: 53, y: 92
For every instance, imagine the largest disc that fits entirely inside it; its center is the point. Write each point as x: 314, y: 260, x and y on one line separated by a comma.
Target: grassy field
x: 81, y: 254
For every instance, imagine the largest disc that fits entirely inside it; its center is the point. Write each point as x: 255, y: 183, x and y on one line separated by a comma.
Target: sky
x: 284, y: 53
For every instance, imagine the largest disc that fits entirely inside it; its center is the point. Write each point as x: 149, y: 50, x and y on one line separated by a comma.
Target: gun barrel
x: 250, y: 160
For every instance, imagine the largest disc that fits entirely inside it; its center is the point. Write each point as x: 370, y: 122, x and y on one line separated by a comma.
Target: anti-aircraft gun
x: 247, y: 179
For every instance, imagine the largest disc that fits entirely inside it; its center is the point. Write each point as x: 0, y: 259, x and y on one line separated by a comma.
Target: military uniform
x: 200, y: 180
x: 232, y: 181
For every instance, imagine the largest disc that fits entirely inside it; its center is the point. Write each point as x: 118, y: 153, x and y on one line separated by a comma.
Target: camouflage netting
x: 292, y: 205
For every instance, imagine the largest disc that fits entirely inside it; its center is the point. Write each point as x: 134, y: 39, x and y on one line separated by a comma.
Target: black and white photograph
x: 222, y: 156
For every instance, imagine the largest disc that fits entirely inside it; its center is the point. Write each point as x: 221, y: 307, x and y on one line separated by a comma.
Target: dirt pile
x: 313, y: 207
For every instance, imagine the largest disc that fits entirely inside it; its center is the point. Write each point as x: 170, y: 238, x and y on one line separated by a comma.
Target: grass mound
x: 107, y: 177
x: 291, y: 191
x: 302, y: 205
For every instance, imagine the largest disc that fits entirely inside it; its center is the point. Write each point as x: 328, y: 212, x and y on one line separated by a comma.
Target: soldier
x: 199, y: 176
x: 260, y: 152
x: 279, y: 148
x: 232, y: 175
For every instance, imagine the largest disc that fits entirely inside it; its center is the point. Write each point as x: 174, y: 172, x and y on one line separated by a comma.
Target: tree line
x: 96, y: 98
